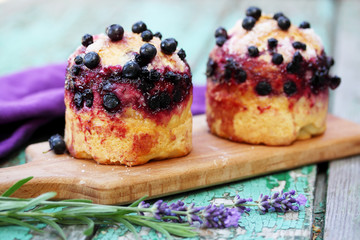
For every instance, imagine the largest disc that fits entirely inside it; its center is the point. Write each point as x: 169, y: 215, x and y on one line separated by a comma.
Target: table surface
x: 38, y: 32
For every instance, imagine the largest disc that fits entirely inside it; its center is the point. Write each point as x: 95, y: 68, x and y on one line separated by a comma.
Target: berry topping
x: 272, y: 43
x: 177, y: 95
x: 75, y: 70
x: 115, y: 32
x: 158, y: 35
x: 181, y: 53
x: 154, y: 75
x: 253, y: 51
x: 248, y: 23
x: 254, y: 12
x: 110, y: 101
x: 240, y: 75
x: 329, y: 62
x: 165, y: 100
x: 220, y: 41
x: 168, y: 46
x: 146, y: 86
x: 146, y: 35
x: 172, y: 77
x: 292, y: 67
x: 299, y: 45
x: 263, y: 88
x: 298, y: 58
x: 304, y: 25
x: 290, y: 88
x: 277, y: 59
x: 210, y: 67
x: 334, y: 82
x: 91, y: 60
x: 220, y: 31
x: 86, y: 40
x: 131, y: 70
x: 148, y: 52
x: 277, y: 15
x: 88, y: 97
x: 78, y: 60
x: 78, y: 100
x: 283, y: 23
x: 138, y: 27
x: 57, y: 144
x: 159, y: 101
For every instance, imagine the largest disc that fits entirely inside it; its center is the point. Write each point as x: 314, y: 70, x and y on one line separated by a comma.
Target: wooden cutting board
x: 212, y: 161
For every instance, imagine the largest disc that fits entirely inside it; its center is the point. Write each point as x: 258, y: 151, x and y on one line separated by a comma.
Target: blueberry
x: 168, y: 46
x: 91, y: 60
x: 148, y: 51
x: 299, y: 45
x: 158, y: 35
x: 172, y: 77
x: 254, y: 12
x: 78, y: 60
x: 139, y: 27
x: 292, y: 67
x: 57, y: 144
x: 165, y: 100
x: 253, y: 51
x: 110, y: 101
x: 88, y: 96
x: 181, y: 53
x: 210, y: 67
x: 329, y: 62
x: 277, y: 15
x: 86, y: 40
x: 146, y: 86
x: 228, y: 69
x: 283, y: 23
x: 297, y: 58
x: 334, y: 82
x: 290, y: 88
x: 78, y: 100
x: 146, y: 35
x: 220, y: 31
x: 115, y: 32
x: 177, y: 95
x: 240, y: 75
x: 220, y: 41
x: 272, y: 43
x: 277, y: 59
x: 248, y: 23
x: 75, y: 70
x: 131, y: 70
x: 263, y: 88
x: 154, y: 102
x: 304, y: 25
x: 154, y: 75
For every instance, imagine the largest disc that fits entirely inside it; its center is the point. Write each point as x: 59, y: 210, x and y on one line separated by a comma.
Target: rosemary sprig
x: 174, y: 219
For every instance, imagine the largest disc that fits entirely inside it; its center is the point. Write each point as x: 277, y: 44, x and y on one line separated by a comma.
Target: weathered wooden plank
x: 342, y: 218
x: 319, y: 202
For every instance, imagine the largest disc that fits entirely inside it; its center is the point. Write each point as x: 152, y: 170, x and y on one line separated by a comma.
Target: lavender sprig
x: 169, y: 219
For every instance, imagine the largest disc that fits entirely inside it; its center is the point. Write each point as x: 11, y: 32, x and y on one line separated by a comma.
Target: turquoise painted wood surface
x: 37, y: 32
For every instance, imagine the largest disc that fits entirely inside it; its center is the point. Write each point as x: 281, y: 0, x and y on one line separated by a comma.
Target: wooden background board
x: 212, y: 161
x: 36, y: 32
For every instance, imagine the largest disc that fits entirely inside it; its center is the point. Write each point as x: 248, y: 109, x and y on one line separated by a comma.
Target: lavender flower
x: 301, y: 200
x: 280, y: 202
x: 239, y: 203
x: 143, y: 204
x: 220, y: 216
x: 161, y: 209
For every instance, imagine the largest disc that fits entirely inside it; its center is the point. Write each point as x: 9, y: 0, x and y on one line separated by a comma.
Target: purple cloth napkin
x: 33, y: 97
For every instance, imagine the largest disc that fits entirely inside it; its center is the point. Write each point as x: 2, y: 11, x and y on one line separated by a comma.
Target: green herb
x: 174, y: 219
